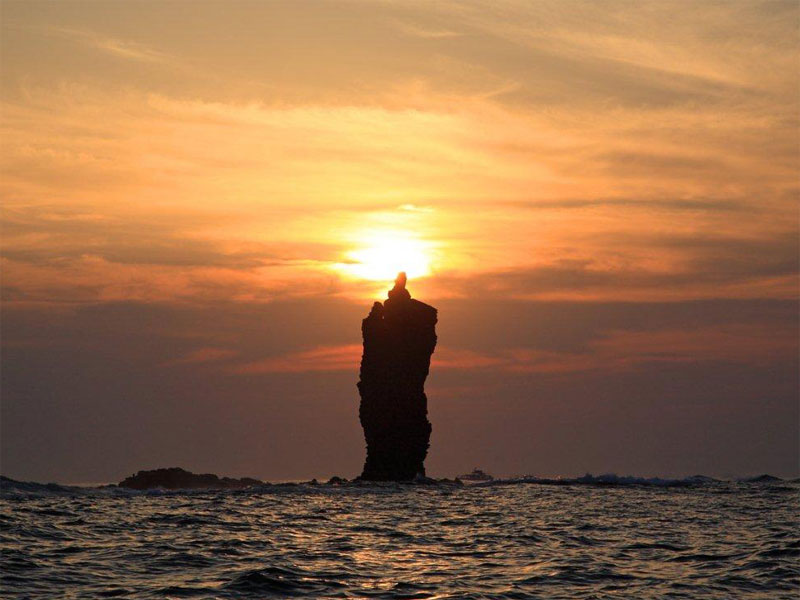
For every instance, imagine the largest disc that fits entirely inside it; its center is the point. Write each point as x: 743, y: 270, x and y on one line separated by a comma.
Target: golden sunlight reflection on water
x: 507, y: 540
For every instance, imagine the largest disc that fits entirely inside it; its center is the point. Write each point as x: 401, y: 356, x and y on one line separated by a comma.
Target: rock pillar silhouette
x: 399, y: 338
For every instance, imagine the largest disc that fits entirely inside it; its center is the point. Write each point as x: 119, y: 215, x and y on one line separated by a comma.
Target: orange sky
x: 222, y: 156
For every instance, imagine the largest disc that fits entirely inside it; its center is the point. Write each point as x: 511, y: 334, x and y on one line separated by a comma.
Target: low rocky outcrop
x: 176, y: 478
x: 399, y: 339
x: 762, y: 479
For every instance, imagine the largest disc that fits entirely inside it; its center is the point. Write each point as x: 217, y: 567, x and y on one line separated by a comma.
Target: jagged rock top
x: 399, y: 291
x: 400, y: 305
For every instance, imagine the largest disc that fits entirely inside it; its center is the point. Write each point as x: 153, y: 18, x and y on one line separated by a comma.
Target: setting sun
x: 381, y: 255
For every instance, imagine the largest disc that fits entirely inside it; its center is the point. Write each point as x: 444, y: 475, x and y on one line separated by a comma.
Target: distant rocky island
x: 399, y: 339
x: 175, y: 478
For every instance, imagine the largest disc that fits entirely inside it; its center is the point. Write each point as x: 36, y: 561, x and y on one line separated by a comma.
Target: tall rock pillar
x: 399, y: 338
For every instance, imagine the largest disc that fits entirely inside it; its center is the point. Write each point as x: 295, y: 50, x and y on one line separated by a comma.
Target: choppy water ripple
x: 715, y: 540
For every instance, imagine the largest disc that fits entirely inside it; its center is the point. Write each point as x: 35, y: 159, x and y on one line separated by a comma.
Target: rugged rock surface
x: 399, y: 338
x: 176, y: 478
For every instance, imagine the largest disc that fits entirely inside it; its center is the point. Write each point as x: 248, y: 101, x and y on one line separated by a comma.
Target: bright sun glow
x: 382, y: 255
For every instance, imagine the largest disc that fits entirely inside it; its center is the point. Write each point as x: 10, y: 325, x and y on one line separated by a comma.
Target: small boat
x: 476, y: 475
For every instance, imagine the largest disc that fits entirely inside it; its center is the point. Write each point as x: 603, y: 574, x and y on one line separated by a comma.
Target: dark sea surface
x: 691, y: 539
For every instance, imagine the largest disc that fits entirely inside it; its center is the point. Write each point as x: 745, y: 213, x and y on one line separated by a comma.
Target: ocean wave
x: 281, y: 582
x: 403, y: 541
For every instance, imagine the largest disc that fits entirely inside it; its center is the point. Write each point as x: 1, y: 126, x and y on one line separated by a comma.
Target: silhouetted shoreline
x: 198, y: 482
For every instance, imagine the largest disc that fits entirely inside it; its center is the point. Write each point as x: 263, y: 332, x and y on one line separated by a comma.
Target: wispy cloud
x: 418, y: 31
x: 202, y: 355
x: 124, y: 49
x: 629, y: 350
x: 323, y: 358
x: 616, y: 350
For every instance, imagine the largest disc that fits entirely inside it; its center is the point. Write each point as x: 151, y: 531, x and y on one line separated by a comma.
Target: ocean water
x: 591, y: 538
